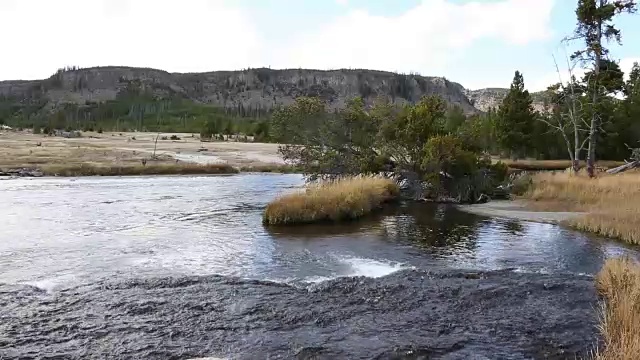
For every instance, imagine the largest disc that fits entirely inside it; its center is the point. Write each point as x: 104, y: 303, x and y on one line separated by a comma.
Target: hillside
x: 484, y: 99
x: 81, y: 94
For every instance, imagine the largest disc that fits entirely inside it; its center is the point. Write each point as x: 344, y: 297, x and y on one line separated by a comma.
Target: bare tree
x: 569, y: 123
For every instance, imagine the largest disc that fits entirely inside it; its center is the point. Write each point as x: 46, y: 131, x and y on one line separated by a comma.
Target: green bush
x: 500, y: 171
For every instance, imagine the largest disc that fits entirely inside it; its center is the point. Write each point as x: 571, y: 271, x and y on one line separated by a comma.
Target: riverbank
x: 610, y: 203
x: 173, y: 153
x: 518, y: 210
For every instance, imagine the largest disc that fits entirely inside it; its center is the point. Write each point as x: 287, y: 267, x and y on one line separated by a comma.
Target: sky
x: 479, y: 43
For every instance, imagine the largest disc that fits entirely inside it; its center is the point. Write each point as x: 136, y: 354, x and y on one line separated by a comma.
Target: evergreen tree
x: 455, y: 117
x: 595, y: 24
x: 516, y: 118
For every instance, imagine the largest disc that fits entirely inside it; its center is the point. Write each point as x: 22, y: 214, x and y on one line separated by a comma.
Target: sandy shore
x: 23, y: 149
x: 517, y: 209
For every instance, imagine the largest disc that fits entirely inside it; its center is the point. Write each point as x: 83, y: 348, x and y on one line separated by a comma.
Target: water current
x: 182, y: 267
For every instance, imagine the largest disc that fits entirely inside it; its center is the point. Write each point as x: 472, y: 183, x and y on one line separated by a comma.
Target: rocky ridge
x: 254, y: 89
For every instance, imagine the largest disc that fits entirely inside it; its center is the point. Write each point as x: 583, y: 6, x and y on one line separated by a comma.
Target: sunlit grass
x: 619, y: 284
x: 149, y: 169
x: 349, y: 198
x: 612, y: 202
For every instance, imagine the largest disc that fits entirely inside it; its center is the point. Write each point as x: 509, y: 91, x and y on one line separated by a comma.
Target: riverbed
x: 182, y: 267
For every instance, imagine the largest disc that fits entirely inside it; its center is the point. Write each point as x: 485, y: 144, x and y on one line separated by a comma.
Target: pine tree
x: 516, y: 118
x: 595, y: 24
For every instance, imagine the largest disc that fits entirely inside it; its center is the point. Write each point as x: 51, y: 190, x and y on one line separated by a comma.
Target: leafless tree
x: 569, y: 123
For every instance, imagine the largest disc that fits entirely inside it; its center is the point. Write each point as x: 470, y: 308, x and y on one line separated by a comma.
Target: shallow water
x: 158, y: 246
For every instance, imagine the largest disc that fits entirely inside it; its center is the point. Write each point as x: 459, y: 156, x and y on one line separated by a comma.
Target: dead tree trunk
x: 593, y: 129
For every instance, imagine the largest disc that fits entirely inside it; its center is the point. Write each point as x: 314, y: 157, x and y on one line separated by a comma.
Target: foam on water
x: 362, y: 267
x: 373, y: 268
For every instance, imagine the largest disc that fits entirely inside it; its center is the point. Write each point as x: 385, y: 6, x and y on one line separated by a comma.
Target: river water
x: 182, y: 267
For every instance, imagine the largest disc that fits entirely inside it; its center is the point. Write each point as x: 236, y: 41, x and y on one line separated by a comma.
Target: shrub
x: 175, y: 137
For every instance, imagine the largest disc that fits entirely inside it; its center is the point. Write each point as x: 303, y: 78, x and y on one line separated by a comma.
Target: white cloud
x: 205, y: 35
x: 627, y: 63
x: 193, y: 35
x: 422, y: 39
x: 543, y: 82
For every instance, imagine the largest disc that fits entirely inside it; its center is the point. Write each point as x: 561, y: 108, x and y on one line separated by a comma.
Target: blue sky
x: 476, y: 43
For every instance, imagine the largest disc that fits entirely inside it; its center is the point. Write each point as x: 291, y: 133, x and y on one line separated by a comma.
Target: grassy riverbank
x: 612, y: 207
x: 160, y: 168
x: 611, y: 202
x: 149, y: 169
x: 345, y: 199
x: 619, y: 284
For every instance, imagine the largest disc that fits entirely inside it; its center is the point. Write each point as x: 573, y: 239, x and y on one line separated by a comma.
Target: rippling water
x: 61, y: 232
x: 79, y: 239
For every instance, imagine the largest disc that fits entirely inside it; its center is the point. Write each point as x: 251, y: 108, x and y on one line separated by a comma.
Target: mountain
x: 484, y: 99
x: 246, y: 92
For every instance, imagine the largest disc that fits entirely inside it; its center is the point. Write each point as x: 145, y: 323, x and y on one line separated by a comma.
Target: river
x: 182, y: 267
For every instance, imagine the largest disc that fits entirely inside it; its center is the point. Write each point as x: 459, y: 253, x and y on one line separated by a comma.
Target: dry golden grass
x: 149, y: 169
x: 619, y: 284
x: 612, y: 202
x: 349, y: 198
x: 546, y: 165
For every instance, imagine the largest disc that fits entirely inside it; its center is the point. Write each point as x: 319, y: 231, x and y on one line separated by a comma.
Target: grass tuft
x: 619, y: 284
x: 345, y: 199
x: 149, y: 169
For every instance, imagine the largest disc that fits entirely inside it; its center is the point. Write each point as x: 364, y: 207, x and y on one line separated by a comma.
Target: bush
x: 37, y: 130
x: 175, y: 137
x: 100, y: 130
x: 500, y: 171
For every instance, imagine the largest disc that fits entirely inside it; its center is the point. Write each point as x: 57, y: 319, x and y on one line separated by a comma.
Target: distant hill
x: 251, y: 92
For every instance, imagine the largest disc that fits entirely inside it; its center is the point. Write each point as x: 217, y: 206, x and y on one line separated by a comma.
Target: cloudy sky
x: 477, y: 43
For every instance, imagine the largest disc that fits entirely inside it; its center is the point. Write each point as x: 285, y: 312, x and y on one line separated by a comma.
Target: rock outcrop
x: 252, y: 89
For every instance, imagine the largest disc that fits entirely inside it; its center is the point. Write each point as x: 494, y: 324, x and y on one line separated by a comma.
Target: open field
x: 344, y: 199
x: 128, y: 150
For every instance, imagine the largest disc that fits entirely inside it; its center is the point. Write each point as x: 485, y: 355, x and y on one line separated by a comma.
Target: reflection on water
x: 57, y: 232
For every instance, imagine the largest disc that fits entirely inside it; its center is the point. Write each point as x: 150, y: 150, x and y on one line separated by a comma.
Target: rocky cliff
x: 260, y: 89
x: 485, y: 99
